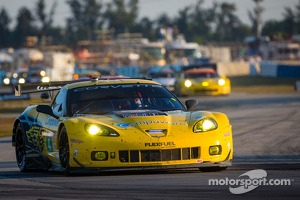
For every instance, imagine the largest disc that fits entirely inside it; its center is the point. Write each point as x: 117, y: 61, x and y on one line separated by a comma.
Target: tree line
x: 88, y: 18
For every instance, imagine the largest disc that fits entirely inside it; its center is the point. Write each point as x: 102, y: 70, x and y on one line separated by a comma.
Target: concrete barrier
x: 288, y: 71
x: 278, y: 69
x: 233, y: 68
x: 268, y: 68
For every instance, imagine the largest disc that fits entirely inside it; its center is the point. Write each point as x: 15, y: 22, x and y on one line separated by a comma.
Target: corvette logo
x: 47, y: 87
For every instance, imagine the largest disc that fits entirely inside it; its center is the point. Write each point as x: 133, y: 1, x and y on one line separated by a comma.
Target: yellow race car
x: 121, y: 123
x: 201, y: 79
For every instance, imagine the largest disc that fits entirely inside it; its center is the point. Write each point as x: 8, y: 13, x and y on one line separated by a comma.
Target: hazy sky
x: 273, y: 9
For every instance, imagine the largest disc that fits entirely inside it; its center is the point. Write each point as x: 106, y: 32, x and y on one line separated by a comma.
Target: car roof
x: 197, y: 71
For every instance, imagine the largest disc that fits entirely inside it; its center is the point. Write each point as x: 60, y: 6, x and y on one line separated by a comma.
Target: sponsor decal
x: 149, y: 122
x: 35, y: 137
x: 143, y: 114
x: 110, y: 87
x: 48, y: 87
x: 49, y: 144
x: 159, y: 144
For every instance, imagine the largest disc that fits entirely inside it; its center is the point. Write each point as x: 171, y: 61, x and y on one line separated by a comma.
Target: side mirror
x: 191, y: 103
x: 46, y: 109
x: 45, y: 95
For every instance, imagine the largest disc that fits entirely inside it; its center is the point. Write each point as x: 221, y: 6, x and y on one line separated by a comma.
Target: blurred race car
x: 30, y: 76
x: 201, y: 79
x: 118, y: 124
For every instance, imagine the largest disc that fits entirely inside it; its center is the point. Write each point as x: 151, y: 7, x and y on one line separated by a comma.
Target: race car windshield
x: 102, y: 99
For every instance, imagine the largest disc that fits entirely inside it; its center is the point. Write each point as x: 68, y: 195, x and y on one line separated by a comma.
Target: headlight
x: 21, y: 80
x: 221, y: 82
x: 100, y: 130
x: 42, y: 73
x: 45, y: 79
x: 6, y: 81
x: 206, y: 124
x: 187, y: 83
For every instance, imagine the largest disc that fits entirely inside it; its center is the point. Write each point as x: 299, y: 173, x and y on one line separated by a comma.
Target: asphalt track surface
x: 266, y: 132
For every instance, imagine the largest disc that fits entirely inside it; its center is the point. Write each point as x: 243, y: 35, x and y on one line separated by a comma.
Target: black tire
x: 20, y: 149
x: 212, y: 169
x: 64, y: 151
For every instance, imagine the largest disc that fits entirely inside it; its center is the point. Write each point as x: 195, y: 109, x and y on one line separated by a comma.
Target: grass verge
x: 261, y: 85
x: 6, y: 126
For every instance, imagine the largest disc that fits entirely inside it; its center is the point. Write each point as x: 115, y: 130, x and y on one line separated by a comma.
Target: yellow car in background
x: 201, y: 80
x: 118, y: 123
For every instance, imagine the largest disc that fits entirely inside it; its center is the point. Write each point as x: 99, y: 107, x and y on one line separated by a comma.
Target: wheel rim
x: 64, y: 149
x: 20, y: 148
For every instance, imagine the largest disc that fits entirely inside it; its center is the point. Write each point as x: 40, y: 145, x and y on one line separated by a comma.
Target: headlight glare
x: 221, y: 82
x: 6, y: 81
x: 93, y: 129
x: 206, y: 124
x: 188, y: 83
x: 45, y: 79
x: 100, y: 130
x: 21, y: 80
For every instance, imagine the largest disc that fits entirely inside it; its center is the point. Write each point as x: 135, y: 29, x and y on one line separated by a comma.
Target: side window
x: 59, y: 104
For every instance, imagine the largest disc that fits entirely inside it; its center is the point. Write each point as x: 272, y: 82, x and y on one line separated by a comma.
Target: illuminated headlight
x: 205, y: 83
x: 221, y: 82
x: 45, y: 79
x: 96, y: 129
x: 21, y: 80
x: 6, y: 81
x: 187, y: 83
x: 43, y: 73
x: 206, y: 124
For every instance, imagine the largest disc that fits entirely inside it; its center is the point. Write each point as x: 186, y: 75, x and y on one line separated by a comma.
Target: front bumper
x: 223, y: 164
x: 162, y: 165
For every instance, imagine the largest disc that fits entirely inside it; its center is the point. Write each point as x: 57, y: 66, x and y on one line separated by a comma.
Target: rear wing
x: 199, y: 66
x: 26, y: 88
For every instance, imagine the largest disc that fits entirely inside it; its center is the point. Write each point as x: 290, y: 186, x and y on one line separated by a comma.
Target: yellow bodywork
x: 140, y: 141
x: 134, y: 136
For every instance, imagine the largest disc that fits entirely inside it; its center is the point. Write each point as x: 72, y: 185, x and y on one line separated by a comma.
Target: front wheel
x: 64, y: 153
x: 20, y: 149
